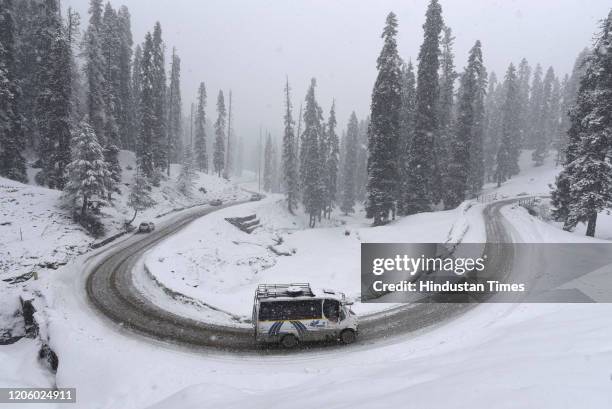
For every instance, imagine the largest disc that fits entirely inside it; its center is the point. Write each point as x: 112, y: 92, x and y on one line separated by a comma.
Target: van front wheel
x: 348, y: 336
x: 289, y: 341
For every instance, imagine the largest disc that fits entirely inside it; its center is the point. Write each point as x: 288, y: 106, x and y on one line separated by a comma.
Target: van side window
x: 331, y: 309
x: 290, y: 310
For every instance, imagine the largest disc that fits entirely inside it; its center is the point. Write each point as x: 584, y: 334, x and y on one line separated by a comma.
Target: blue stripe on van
x: 274, y: 328
x: 300, y: 327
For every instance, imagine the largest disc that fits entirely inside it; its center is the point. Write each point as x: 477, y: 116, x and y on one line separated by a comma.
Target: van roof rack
x: 283, y: 290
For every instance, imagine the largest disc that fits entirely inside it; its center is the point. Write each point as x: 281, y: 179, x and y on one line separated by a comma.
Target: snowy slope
x: 214, y: 262
x: 38, y: 237
x: 35, y: 229
x: 166, y: 196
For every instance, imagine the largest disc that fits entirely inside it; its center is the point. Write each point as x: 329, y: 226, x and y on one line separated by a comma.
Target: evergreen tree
x: 12, y: 163
x: 445, y: 112
x: 87, y: 173
x: 54, y: 98
x: 555, y: 116
x: 535, y: 108
x: 57, y: 102
x: 146, y: 111
x: 406, y: 133
x: 492, y: 132
x: 48, y: 27
x: 159, y: 141
x: 136, y: 89
x: 510, y: 133
x: 584, y: 188
x: 275, y: 168
x: 423, y: 166
x: 35, y: 26
x: 140, y: 198
x: 240, y: 156
x: 289, y: 160
x: 349, y: 166
x: 229, y: 161
x: 219, y: 148
x: 78, y: 107
x: 268, y: 168
x: 126, y: 111
x: 477, y: 167
x: 111, y: 156
x: 110, y: 43
x: 200, y: 131
x: 94, y: 70
x: 310, y: 170
x: 524, y: 76
x: 570, y: 92
x: 27, y: 20
x: 467, y: 134
x: 175, y: 116
x: 186, y: 178
x: 362, y: 159
x: 543, y: 126
x: 298, y: 143
x: 332, y: 157
x: 384, y: 138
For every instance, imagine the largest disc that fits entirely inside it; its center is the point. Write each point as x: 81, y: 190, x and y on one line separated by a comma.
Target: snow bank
x: 21, y: 368
x: 35, y: 234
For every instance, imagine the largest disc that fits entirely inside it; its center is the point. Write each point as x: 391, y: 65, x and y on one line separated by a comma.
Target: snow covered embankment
x: 211, y: 263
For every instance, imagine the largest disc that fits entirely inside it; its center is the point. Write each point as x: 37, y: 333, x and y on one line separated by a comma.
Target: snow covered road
x: 111, y: 289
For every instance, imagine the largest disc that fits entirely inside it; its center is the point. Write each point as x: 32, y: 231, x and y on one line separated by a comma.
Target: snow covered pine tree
x: 383, y: 142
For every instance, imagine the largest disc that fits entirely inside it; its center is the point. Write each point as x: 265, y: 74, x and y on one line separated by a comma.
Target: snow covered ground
x: 38, y: 238
x: 495, y: 355
x: 36, y: 233
x: 216, y: 263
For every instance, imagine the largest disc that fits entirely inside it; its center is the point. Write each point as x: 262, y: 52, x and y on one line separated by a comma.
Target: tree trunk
x: 84, y: 207
x: 133, y: 218
x: 591, y: 225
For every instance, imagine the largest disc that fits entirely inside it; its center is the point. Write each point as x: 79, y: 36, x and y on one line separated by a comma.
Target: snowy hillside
x: 38, y: 232
x: 38, y: 236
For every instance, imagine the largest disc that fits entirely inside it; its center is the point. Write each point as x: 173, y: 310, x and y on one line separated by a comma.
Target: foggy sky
x: 250, y: 46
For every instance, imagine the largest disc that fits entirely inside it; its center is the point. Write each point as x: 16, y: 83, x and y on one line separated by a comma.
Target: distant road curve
x: 110, y: 289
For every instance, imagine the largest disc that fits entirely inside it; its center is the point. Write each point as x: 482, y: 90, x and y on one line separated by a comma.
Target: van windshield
x: 331, y: 309
x: 290, y: 310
